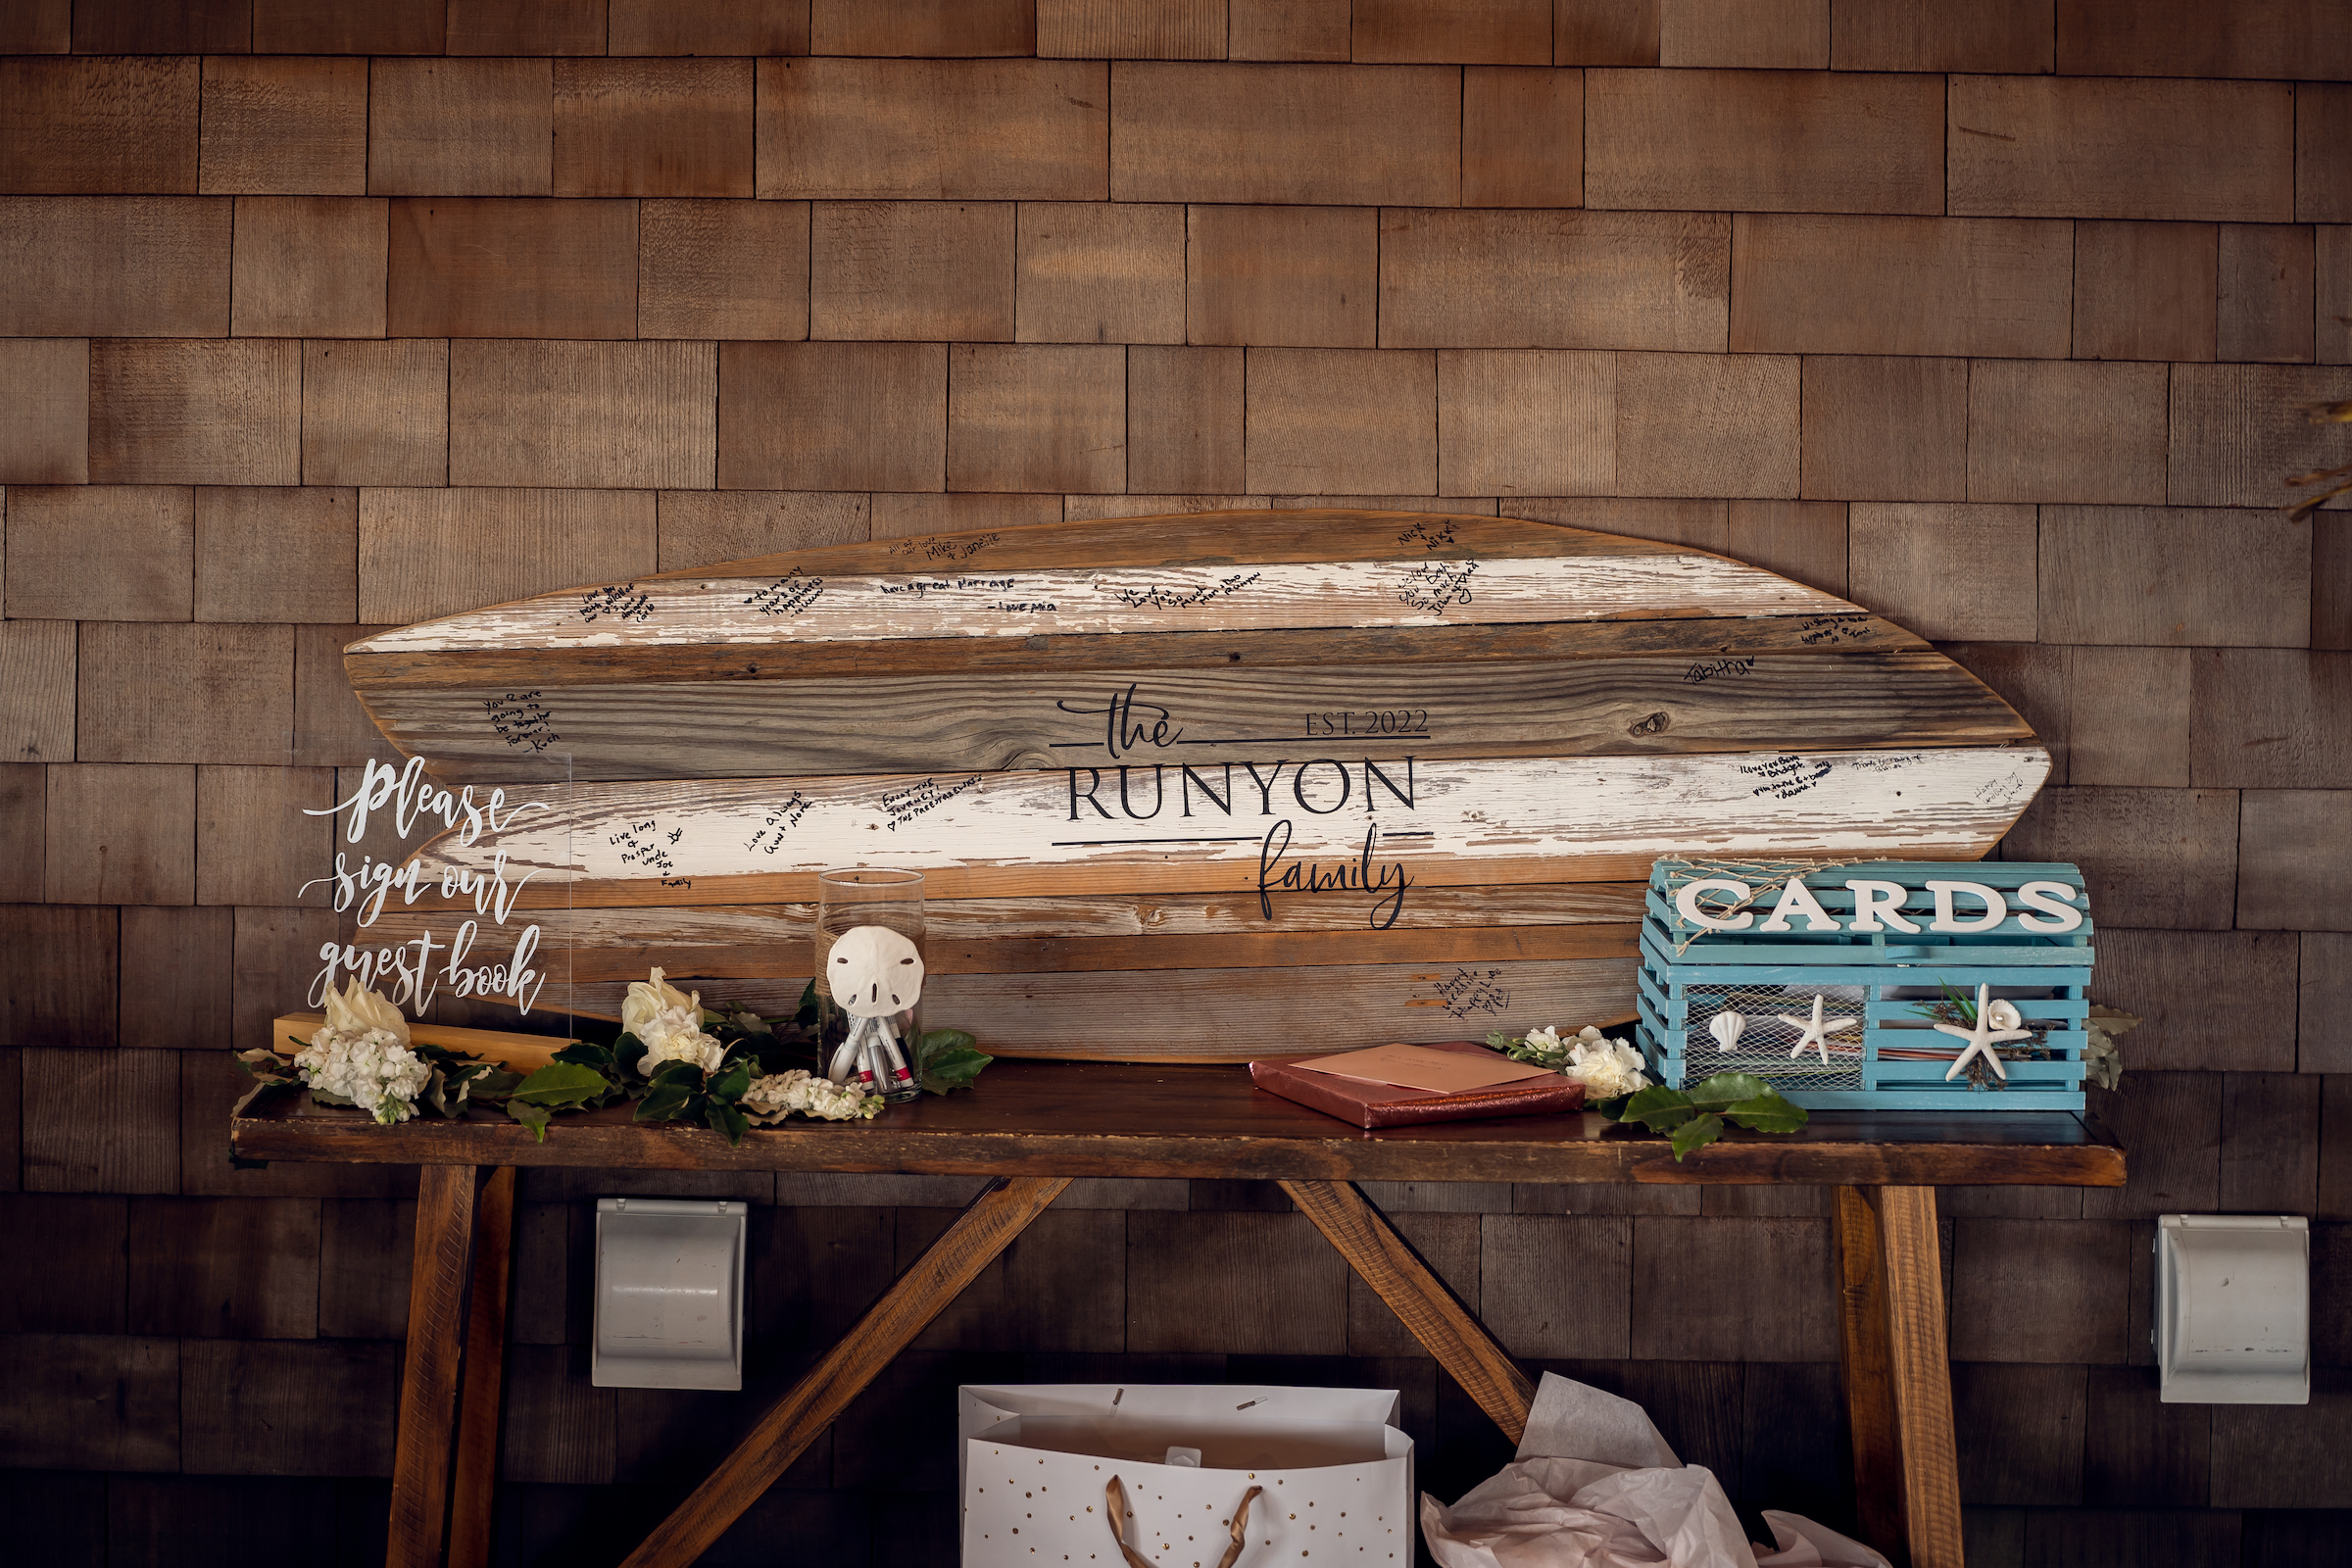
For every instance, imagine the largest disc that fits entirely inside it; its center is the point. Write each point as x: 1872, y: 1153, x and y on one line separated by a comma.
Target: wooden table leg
x: 1448, y: 1329
x: 998, y: 1214
x: 1899, y: 1387
x: 474, y: 1490
x: 429, y: 1374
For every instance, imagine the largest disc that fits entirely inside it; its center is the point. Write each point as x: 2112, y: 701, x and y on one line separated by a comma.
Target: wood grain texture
x: 1554, y: 279
x: 474, y: 1490
x: 722, y: 269
x: 1262, y: 1284
x: 376, y: 413
x: 1923, y: 1400
x: 224, y: 1268
x: 708, y: 28
x: 2324, y: 1047
x: 2259, y: 1457
x: 2282, y: 38
x: 1532, y: 1266
x: 1092, y: 272
x: 2269, y: 718
x: 609, y: 416
x: 86, y: 1298
x: 130, y: 266
x: 2333, y: 326
x: 1707, y: 424
x: 859, y: 416
x: 1131, y: 29
x: 276, y: 553
x: 2138, y: 1450
x: 142, y: 27
x: 287, y: 1408
x: 1036, y: 416
x: 432, y: 552
x: 1288, y: 30
x: 699, y: 526
x: 2264, y: 311
x: 1496, y: 32
x: 1302, y: 276
x: 71, y: 968
x: 1775, y: 35
x: 1310, y: 134
x: 1605, y: 32
x: 1883, y: 429
x: 196, y: 413
x: 2217, y: 999
x: 922, y: 28
x: 24, y: 834
x: 39, y: 28
x: 44, y: 411
x: 2040, y: 1290
x: 2144, y: 291
x: 1866, y: 1371
x: 528, y: 28
x: 1523, y: 136
x: 1900, y: 286
x: 101, y: 1121
x: 2150, y: 857
x: 2020, y: 1431
x: 122, y: 125
x: 1784, y: 1261
x: 2270, y: 1142
x: 1062, y: 1287
x: 2323, y: 114
x: 459, y: 127
x: 2050, y: 430
x: 331, y: 728
x: 464, y: 267
x: 229, y: 703
x: 120, y: 834
x: 1997, y: 36
x: 1185, y: 414
x: 1732, y: 140
x: 92, y: 1402
x: 303, y: 28
x: 255, y: 844
x: 309, y: 267
x: 144, y: 535
x: 912, y: 271
x: 430, y: 1370
x: 283, y: 128
x: 36, y: 691
x: 933, y: 130
x: 995, y: 1219
x: 2291, y: 847
x: 2234, y: 434
x: 2089, y: 147
x: 1422, y: 1302
x: 908, y: 517
x: 653, y: 127
x: 1300, y: 441
x: 1527, y: 422
x: 2121, y: 574
x: 364, y: 1262
x: 1806, y: 541
x: 1953, y: 571
x: 181, y: 961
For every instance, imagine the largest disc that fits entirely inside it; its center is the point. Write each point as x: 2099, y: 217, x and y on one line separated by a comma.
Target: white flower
x: 669, y: 1023
x: 1607, y: 1068
x: 362, y: 1055
x: 771, y: 1099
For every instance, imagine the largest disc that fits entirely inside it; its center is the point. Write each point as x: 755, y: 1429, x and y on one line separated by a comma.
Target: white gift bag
x: 1184, y: 1476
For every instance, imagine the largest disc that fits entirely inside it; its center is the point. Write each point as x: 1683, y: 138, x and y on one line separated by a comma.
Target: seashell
x: 2003, y: 1014
x: 1726, y: 1027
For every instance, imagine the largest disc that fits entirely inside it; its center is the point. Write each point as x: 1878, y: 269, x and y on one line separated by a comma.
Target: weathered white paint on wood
x: 1345, y: 818
x: 801, y: 607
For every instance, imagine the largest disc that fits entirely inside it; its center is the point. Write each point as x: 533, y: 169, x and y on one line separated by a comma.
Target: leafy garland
x: 769, y: 1068
x: 1691, y: 1118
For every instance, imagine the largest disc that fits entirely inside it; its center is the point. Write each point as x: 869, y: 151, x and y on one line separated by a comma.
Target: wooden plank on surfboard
x: 1269, y: 828
x: 905, y: 723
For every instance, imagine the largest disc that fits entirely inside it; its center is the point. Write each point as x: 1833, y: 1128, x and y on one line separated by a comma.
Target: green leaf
x: 535, y: 1117
x: 725, y: 1119
x: 587, y: 1055
x: 730, y: 1084
x: 1727, y: 1087
x: 663, y: 1102
x: 1658, y: 1107
x: 1767, y: 1112
x: 326, y: 1099
x: 805, y: 1014
x: 560, y: 1086
x: 629, y: 1051
x: 676, y: 1073
x: 495, y: 1084
x: 1697, y: 1133
x: 944, y: 1060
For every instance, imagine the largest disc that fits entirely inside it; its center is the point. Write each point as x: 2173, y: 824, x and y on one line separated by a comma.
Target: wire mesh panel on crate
x: 1873, y: 985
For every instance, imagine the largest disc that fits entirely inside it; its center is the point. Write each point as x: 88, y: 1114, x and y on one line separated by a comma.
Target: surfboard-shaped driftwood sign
x: 1293, y: 772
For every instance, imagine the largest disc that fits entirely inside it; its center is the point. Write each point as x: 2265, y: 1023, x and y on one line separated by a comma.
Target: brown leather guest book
x: 1375, y: 1105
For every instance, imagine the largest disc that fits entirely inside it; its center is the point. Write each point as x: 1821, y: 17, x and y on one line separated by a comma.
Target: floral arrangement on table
x: 1615, y: 1086
x: 724, y: 1067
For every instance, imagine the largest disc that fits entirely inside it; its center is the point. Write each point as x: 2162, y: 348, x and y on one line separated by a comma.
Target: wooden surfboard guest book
x: 1210, y: 787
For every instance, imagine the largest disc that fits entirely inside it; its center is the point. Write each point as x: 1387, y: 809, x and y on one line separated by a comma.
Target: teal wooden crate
x: 1728, y: 936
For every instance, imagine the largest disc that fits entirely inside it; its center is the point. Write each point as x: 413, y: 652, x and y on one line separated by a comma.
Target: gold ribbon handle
x: 1114, y: 1508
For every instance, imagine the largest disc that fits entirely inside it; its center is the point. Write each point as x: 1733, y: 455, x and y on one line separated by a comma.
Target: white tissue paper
x: 1596, y: 1487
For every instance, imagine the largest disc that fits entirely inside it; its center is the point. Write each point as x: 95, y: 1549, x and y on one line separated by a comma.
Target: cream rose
x: 669, y: 1024
x: 1605, y: 1067
x: 771, y: 1099
x: 362, y: 1055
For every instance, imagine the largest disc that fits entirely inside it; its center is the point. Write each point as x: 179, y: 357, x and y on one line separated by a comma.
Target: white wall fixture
x: 669, y: 1293
x: 2234, y: 1308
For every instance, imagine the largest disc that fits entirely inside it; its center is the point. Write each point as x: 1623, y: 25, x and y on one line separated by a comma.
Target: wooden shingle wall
x: 318, y: 314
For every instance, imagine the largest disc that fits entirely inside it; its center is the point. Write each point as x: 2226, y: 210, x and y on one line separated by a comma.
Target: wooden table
x: 1034, y: 1126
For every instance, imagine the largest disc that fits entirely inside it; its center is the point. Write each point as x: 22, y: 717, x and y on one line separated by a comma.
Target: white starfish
x: 1816, y: 1030
x: 1982, y: 1038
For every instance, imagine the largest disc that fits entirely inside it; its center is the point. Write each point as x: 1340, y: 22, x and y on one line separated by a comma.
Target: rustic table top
x: 1050, y: 1118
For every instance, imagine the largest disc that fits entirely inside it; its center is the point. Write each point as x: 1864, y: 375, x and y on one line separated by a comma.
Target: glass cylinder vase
x: 860, y: 1044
